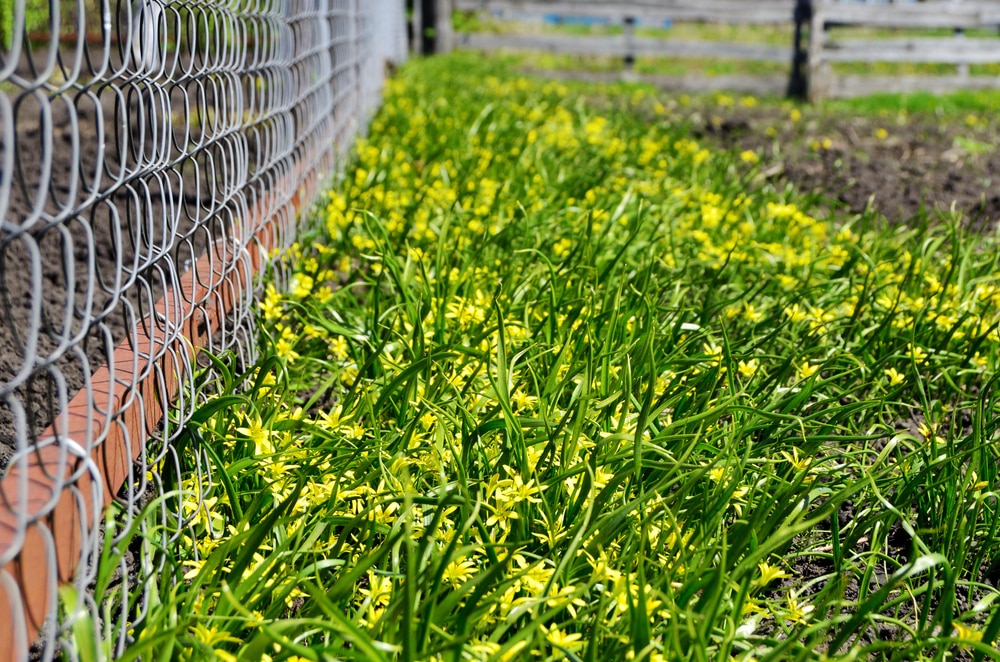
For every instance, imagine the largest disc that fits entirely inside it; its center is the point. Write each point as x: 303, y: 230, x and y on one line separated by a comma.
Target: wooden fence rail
x: 656, y: 11
x: 621, y: 46
x: 957, y: 49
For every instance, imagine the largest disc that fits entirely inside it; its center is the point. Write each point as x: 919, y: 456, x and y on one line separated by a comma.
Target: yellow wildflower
x: 748, y: 368
x: 807, y: 370
x: 769, y: 573
x: 895, y: 377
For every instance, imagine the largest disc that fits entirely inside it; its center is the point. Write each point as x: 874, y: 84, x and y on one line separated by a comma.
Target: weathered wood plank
x: 854, y: 86
x: 929, y: 14
x: 941, y: 49
x: 737, y: 84
x: 656, y: 11
x: 545, y: 43
x: 616, y: 45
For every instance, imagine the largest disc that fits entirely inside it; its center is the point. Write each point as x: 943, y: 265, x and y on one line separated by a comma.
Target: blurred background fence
x: 152, y: 154
x: 961, y: 35
x: 823, y: 48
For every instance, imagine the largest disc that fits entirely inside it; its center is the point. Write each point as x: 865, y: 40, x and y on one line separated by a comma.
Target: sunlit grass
x: 948, y: 106
x: 551, y: 380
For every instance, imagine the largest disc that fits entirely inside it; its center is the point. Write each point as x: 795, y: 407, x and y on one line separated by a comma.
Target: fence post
x: 416, y: 28
x: 427, y: 28
x: 963, y: 67
x: 798, y: 81
x: 432, y: 21
x: 444, y: 32
x: 819, y: 69
x: 628, y: 26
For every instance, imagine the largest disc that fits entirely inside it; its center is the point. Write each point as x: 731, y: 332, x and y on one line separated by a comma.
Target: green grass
x: 949, y: 106
x: 551, y: 380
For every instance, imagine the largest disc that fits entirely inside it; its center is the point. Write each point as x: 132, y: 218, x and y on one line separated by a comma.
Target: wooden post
x: 444, y: 32
x: 819, y: 69
x: 416, y: 28
x: 798, y: 81
x: 427, y: 35
x: 963, y: 67
x: 628, y: 25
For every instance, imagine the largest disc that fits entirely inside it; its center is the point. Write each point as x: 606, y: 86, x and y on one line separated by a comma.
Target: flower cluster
x: 552, y: 377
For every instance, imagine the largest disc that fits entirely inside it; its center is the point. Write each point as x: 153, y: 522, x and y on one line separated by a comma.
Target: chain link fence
x: 152, y: 154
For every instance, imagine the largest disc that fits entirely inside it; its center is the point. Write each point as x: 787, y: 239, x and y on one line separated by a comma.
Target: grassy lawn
x: 551, y: 380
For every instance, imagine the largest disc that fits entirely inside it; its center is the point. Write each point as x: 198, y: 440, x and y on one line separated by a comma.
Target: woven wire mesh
x: 152, y: 152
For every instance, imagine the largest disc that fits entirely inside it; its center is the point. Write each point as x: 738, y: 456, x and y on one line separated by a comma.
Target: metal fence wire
x: 152, y: 154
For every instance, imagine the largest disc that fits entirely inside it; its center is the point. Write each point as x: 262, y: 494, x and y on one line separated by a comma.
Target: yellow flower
x: 211, y: 636
x: 301, y: 285
x: 749, y: 156
x: 807, y: 370
x: 800, y: 463
x: 795, y: 313
x: 259, y: 435
x: 915, y: 352
x: 271, y: 304
x: 515, y: 490
x: 976, y: 483
x: 379, y: 589
x: 338, y: 347
x: 562, y: 247
x: 787, y: 282
x: 195, y: 565
x: 797, y: 612
x: 285, y: 350
x: 927, y: 430
x: 769, y: 573
x: 750, y: 313
x: 967, y: 633
x: 713, y: 352
x: 895, y: 377
x: 459, y: 571
x: 748, y: 368
x: 738, y: 500
x: 881, y: 133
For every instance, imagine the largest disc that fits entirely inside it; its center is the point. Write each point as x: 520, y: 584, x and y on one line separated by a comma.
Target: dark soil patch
x: 903, y: 166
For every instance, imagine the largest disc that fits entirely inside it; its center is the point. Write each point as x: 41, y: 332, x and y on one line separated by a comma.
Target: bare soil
x: 907, y: 167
